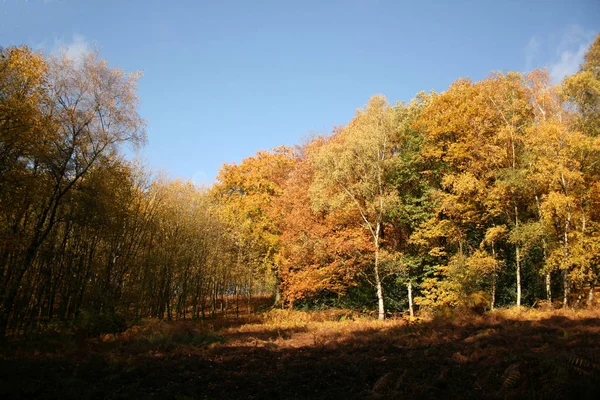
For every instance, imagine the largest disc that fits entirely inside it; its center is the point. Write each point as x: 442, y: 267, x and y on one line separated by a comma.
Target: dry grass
x: 294, y: 329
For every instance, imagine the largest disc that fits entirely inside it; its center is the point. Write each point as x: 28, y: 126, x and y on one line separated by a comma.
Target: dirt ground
x: 321, y: 355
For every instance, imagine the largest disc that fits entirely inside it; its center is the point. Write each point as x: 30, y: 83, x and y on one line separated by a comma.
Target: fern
x: 580, y: 365
x: 583, y: 365
x: 511, y: 376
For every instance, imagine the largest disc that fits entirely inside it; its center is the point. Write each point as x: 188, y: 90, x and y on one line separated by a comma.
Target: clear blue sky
x: 223, y: 79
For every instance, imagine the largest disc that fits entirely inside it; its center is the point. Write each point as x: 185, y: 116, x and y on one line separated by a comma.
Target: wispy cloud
x: 570, y: 52
x: 562, y: 56
x: 74, y: 49
x: 568, y: 63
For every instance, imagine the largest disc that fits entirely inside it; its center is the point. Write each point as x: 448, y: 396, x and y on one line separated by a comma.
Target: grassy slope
x: 281, y: 354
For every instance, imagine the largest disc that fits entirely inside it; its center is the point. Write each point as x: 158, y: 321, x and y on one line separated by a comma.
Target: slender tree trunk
x: 493, y: 301
x: 517, y: 251
x: 11, y: 294
x: 410, y: 300
x: 237, y: 302
x: 544, y: 250
x: 378, y: 285
x: 518, y: 255
x: 380, y: 305
x: 169, y: 310
x: 564, y: 271
x: 590, y: 298
x: 249, y: 298
x: 565, y: 289
x: 277, y: 289
x: 549, y: 287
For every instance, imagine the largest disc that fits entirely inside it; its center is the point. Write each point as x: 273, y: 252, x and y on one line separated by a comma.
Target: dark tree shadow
x: 554, y: 358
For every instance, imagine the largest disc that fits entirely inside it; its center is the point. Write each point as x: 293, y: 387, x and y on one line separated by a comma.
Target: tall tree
x: 245, y: 194
x: 90, y: 109
x: 321, y: 253
x: 474, y: 134
x: 350, y: 172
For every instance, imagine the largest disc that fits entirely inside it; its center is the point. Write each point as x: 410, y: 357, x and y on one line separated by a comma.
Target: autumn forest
x: 484, y: 196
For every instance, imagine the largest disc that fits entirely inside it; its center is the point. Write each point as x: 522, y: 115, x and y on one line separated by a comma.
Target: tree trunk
x: 518, y: 255
x: 380, y: 305
x: 549, y: 287
x: 544, y: 251
x: 277, y: 289
x: 237, y: 301
x: 378, y: 285
x: 517, y: 249
x: 565, y: 289
x: 11, y: 293
x: 564, y: 271
x: 249, y: 298
x: 410, y: 300
x: 493, y: 302
x: 590, y: 299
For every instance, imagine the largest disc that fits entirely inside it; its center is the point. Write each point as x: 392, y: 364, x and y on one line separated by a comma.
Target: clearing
x: 311, y: 355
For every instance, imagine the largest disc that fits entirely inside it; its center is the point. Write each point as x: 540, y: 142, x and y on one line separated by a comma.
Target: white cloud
x: 77, y: 48
x: 562, y: 55
x: 568, y: 63
x: 570, y: 52
x: 73, y: 49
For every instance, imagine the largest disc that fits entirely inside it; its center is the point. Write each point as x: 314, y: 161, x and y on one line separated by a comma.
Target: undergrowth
x: 509, y: 353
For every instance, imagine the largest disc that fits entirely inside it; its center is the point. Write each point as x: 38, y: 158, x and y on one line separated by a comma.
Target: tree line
x: 485, y: 194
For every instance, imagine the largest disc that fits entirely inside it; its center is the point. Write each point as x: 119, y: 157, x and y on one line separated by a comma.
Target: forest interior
x: 443, y: 247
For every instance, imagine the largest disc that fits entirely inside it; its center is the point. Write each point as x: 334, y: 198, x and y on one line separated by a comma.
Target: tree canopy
x: 484, y: 195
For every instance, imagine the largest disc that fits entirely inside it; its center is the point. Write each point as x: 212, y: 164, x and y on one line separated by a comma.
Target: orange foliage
x: 320, y: 252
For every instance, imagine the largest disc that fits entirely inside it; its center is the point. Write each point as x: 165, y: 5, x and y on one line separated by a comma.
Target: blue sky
x: 223, y: 79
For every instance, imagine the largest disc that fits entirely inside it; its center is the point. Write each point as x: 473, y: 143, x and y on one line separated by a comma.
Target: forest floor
x: 316, y: 355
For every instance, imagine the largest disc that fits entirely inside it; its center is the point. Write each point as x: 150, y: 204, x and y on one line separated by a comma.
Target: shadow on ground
x: 556, y: 357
